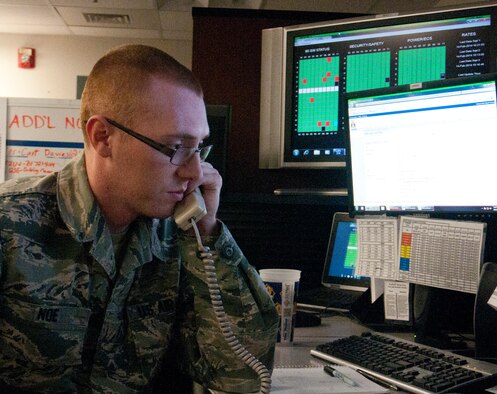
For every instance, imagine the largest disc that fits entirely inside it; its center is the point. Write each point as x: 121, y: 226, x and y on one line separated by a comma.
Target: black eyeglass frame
x: 164, y: 149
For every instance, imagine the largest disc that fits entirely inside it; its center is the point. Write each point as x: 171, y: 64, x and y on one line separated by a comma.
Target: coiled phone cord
x: 214, y: 290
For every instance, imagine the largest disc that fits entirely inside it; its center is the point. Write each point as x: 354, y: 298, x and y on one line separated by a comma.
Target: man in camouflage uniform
x: 99, y: 289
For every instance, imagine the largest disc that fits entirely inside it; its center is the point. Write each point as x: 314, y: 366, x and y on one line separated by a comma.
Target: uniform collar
x: 77, y: 205
x: 83, y: 217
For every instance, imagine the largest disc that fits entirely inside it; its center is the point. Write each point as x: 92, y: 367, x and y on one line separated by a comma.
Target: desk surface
x: 332, y: 328
x: 306, y: 339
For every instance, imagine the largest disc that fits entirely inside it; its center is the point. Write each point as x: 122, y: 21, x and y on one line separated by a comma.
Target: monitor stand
x: 439, y: 312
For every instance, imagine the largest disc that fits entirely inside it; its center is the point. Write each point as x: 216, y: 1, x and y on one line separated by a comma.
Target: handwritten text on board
x: 42, y: 122
x: 23, y: 161
x: 42, y: 136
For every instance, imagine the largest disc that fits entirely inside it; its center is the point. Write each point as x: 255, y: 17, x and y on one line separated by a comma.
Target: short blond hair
x: 117, y: 79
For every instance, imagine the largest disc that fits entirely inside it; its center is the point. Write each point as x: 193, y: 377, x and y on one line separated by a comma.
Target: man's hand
x: 210, y: 185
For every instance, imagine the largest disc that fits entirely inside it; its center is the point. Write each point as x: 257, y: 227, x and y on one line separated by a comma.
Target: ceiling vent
x: 114, y: 19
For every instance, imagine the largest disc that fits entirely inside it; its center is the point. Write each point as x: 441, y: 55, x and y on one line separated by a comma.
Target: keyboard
x: 407, y: 365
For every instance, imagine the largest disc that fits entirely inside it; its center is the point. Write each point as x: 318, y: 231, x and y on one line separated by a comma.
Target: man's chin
x: 162, y: 213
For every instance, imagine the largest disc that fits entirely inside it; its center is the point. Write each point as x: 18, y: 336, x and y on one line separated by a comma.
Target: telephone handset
x: 191, y: 207
x: 189, y: 211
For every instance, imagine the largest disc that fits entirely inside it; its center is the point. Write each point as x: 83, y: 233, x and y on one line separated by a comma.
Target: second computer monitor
x: 424, y: 148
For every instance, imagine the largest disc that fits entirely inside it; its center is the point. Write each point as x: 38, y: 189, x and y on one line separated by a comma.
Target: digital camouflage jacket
x: 72, y: 320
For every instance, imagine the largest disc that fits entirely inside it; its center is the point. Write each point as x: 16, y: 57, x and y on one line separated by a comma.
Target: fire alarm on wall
x: 26, y: 57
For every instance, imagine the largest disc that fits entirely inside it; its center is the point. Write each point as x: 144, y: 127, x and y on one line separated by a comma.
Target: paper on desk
x: 316, y: 381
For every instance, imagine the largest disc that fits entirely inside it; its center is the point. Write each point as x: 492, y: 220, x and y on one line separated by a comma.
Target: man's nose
x: 192, y: 169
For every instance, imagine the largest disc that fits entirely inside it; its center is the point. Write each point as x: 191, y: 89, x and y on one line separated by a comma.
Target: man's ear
x: 97, y: 132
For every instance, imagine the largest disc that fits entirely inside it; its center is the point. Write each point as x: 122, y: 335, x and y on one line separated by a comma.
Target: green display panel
x: 351, y: 255
x: 368, y: 71
x: 421, y: 65
x: 318, y: 95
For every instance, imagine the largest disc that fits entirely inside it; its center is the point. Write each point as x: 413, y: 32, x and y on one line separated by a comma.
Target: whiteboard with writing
x: 38, y: 136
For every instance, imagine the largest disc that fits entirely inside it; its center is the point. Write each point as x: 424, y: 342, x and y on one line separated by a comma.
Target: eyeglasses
x: 179, y: 155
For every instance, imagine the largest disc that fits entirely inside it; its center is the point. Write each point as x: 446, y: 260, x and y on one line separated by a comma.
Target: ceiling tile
x: 182, y: 5
x: 177, y: 35
x: 25, y: 15
x: 114, y: 32
x: 176, y: 21
x: 126, y: 4
x: 24, y: 2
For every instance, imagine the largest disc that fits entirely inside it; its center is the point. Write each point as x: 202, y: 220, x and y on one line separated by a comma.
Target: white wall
x: 60, y: 59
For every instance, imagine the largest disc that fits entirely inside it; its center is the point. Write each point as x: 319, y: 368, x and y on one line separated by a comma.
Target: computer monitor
x: 341, y: 255
x: 306, y: 69
x: 424, y: 148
